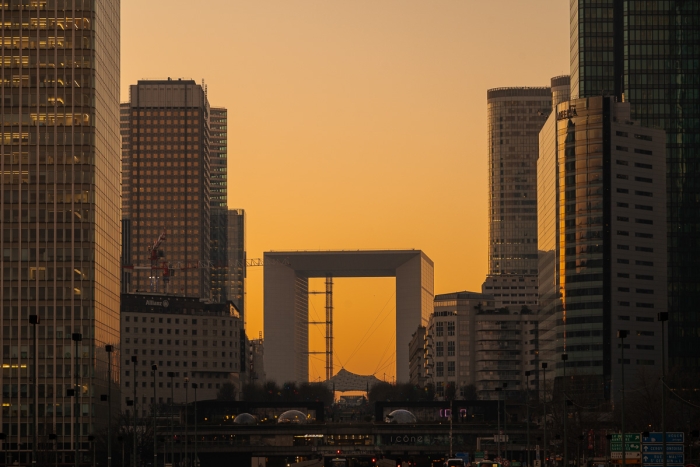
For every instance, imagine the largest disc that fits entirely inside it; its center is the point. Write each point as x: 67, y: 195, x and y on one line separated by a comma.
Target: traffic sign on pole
x: 629, y: 437
x: 629, y: 447
x: 660, y: 448
x: 656, y: 458
x: 671, y: 437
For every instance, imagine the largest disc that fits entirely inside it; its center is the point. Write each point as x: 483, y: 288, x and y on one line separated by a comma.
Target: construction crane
x: 155, y: 254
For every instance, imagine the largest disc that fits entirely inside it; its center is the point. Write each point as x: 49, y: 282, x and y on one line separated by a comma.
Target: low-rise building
x: 188, y: 340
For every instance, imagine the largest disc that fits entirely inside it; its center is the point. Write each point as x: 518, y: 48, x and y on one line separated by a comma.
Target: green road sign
x: 629, y: 447
x: 629, y: 437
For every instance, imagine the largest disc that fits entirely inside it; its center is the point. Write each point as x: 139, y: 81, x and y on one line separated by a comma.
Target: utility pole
x: 154, y: 368
x: 171, y: 375
x: 77, y: 338
x: 663, y: 317
x: 498, y: 423
x: 196, y: 462
x: 544, y: 400
x: 622, y: 335
x: 109, y: 349
x: 564, y: 358
x: 34, y: 321
x: 187, y: 432
x: 134, y: 361
x: 527, y: 409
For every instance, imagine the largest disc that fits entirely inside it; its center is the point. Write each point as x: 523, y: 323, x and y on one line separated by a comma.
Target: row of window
x: 205, y: 332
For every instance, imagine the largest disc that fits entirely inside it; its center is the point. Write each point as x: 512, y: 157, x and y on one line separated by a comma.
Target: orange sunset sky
x: 354, y: 124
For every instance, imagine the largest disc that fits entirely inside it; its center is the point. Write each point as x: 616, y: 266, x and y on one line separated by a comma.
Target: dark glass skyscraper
x: 59, y: 219
x: 649, y: 52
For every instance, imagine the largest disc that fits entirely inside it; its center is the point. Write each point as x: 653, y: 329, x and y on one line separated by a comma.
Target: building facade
x: 59, y: 217
x: 512, y: 291
x: 515, y: 117
x: 167, y: 186
x: 182, y: 336
x: 602, y: 217
x: 470, y: 342
x: 236, y: 252
x: 417, y: 353
x: 649, y: 53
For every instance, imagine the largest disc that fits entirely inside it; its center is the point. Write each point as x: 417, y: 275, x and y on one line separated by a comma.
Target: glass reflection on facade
x: 167, y: 185
x: 649, y: 51
x: 59, y: 218
x: 602, y: 231
x: 515, y: 117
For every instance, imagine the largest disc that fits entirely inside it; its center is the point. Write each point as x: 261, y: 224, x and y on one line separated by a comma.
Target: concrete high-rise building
x: 602, y: 237
x: 515, y: 117
x: 649, y: 52
x: 469, y: 342
x: 167, y: 185
x: 59, y: 218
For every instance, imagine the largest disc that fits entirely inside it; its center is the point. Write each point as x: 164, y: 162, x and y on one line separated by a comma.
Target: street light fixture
x: 171, y: 375
x: 77, y: 337
x: 663, y: 317
x: 622, y: 334
x: 34, y: 321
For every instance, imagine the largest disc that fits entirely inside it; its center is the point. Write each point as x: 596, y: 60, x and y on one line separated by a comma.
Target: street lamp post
x: 171, y: 375
x: 154, y: 368
x: 195, y: 463
x: 187, y: 380
x: 505, y: 420
x: 527, y: 410
x: 544, y: 401
x: 621, y: 334
x: 34, y: 320
x: 498, y: 423
x: 77, y: 337
x: 109, y: 349
x: 134, y: 361
x: 663, y: 317
x: 564, y: 358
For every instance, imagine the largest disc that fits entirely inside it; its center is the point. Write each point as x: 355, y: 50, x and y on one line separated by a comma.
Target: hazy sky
x: 354, y: 124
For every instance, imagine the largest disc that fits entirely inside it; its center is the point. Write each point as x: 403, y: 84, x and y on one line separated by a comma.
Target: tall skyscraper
x: 166, y: 186
x: 60, y: 214
x: 515, y: 117
x: 602, y: 236
x: 649, y: 51
x: 219, y: 211
x: 236, y: 274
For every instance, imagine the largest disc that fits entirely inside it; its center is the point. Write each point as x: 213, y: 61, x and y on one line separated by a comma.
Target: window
x: 642, y: 166
x: 623, y: 261
x: 643, y: 179
x: 622, y: 148
x: 623, y: 219
x: 644, y: 263
x: 643, y: 235
x: 450, y: 368
x: 643, y: 193
x: 644, y: 221
x: 643, y: 207
x: 439, y: 329
x: 644, y: 249
x: 643, y: 137
x: 622, y: 133
x: 623, y: 304
x: 623, y: 232
x: 643, y: 151
x: 440, y: 369
x: 439, y: 349
x: 623, y: 205
x: 450, y: 328
x: 622, y: 177
x: 451, y: 349
x: 621, y: 162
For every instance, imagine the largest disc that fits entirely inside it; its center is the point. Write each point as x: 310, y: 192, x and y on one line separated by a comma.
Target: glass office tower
x: 59, y: 219
x: 649, y: 52
x: 515, y: 117
x: 166, y: 187
x: 602, y: 218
